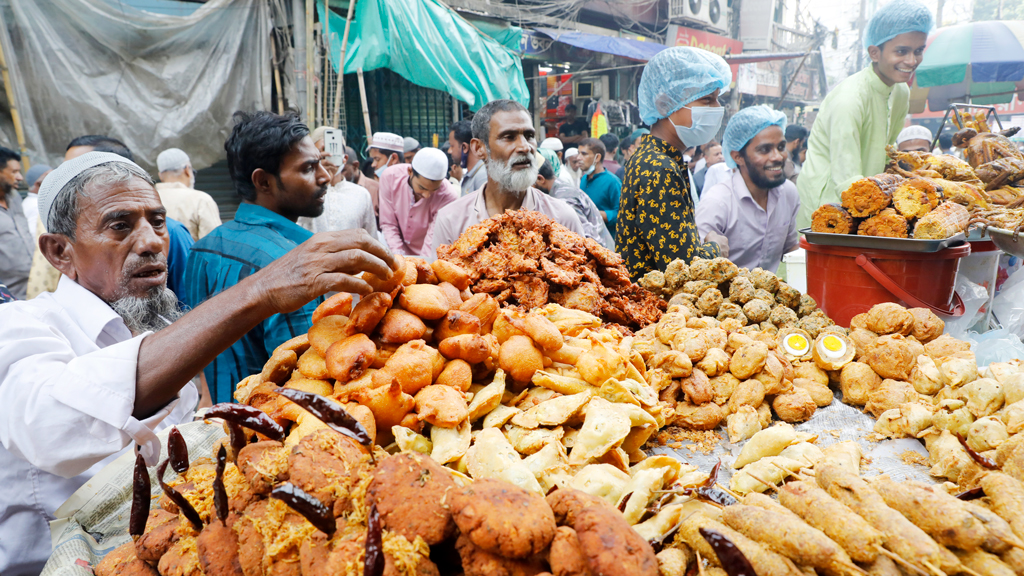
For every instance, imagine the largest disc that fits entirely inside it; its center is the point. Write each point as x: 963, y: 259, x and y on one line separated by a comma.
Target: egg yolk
x: 832, y: 343
x: 797, y: 342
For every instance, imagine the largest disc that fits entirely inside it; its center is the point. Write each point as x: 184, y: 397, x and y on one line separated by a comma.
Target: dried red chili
x: 252, y: 418
x: 982, y: 461
x: 373, y: 563
x: 178, y: 498
x: 140, y: 499
x: 330, y: 413
x: 177, y: 451
x: 972, y: 494
x: 729, y: 556
x: 309, y: 507
x: 220, y: 495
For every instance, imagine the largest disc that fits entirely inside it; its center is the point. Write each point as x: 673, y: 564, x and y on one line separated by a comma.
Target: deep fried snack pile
x: 995, y: 159
x: 333, y: 511
x: 737, y: 345
x: 526, y: 259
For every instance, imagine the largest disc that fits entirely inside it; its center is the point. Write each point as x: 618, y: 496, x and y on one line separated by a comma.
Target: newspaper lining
x: 94, y: 520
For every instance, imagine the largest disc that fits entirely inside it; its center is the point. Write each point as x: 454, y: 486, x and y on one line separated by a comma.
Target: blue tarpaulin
x: 430, y: 45
x: 625, y: 47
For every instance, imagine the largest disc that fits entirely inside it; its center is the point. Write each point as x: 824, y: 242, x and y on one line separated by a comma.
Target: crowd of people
x: 129, y: 303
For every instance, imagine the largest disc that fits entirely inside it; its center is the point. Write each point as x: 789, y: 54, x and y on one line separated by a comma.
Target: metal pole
x: 310, y: 71
x: 299, y: 40
x: 277, y: 73
x: 366, y: 108
x: 341, y: 65
x: 19, y: 131
x: 792, y: 80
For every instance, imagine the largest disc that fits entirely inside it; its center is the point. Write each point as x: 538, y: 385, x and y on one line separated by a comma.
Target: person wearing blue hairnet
x: 678, y: 99
x: 755, y: 208
x: 865, y: 112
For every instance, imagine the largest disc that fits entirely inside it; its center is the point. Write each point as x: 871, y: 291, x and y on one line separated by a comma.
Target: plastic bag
x: 974, y: 297
x: 1008, y: 306
x: 995, y: 346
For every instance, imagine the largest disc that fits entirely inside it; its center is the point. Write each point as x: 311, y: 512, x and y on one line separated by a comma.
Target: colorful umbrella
x: 980, y: 62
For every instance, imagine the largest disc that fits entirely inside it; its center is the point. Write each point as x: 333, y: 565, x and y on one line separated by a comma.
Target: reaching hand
x: 326, y: 262
x: 722, y: 241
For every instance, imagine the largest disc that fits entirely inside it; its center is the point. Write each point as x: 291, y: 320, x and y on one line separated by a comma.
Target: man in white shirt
x: 503, y: 135
x: 756, y: 208
x: 347, y: 205
x: 97, y: 366
x: 193, y: 208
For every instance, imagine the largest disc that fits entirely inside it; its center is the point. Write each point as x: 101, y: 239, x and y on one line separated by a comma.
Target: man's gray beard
x: 510, y: 180
x: 150, y: 314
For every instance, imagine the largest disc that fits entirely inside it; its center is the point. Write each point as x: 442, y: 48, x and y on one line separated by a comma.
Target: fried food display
x: 888, y: 223
x: 526, y: 259
x: 945, y: 221
x: 832, y: 219
x: 869, y: 196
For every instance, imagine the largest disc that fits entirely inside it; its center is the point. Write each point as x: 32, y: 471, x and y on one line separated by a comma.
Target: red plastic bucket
x: 848, y: 281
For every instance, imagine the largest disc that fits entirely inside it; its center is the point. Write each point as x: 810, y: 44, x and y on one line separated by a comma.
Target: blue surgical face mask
x: 379, y: 171
x: 705, y: 122
x: 590, y: 170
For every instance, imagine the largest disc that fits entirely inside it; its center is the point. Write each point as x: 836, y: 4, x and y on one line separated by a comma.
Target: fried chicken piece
x: 478, y: 562
x: 611, y: 546
x: 869, y: 196
x: 324, y: 464
x: 411, y: 492
x: 217, y: 547
x: 888, y: 223
x: 121, y: 561
x: 832, y: 219
x: 161, y: 533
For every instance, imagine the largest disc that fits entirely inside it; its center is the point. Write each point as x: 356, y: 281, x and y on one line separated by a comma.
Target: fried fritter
x: 502, y: 518
x: 122, y: 562
x: 566, y: 503
x: 478, y: 562
x: 325, y: 463
x: 411, y: 492
x: 611, y: 546
x: 566, y: 558
x: 161, y: 533
x: 262, y: 465
x: 217, y: 547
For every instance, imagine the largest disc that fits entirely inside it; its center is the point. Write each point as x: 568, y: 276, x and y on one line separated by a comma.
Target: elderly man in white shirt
x: 97, y: 366
x: 196, y: 209
x: 755, y: 208
x: 503, y: 135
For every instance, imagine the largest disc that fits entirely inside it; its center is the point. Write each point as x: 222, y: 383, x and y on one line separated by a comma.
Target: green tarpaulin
x: 430, y: 45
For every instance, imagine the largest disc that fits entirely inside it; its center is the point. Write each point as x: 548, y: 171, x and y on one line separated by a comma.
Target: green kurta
x: 856, y: 121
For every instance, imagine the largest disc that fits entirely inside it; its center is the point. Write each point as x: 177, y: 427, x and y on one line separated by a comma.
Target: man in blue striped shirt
x: 276, y: 170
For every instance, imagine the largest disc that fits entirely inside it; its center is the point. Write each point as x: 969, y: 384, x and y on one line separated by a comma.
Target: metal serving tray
x: 882, y: 243
x: 1004, y: 240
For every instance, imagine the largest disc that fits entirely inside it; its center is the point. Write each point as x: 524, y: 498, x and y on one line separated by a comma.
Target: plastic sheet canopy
x: 430, y: 45
x: 152, y: 81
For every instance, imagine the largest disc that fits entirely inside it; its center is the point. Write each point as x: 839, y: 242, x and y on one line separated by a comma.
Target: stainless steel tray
x: 882, y: 243
x: 1004, y: 240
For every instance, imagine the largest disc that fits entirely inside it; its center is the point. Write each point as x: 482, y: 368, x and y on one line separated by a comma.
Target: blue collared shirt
x: 177, y: 256
x: 222, y: 258
x: 604, y: 189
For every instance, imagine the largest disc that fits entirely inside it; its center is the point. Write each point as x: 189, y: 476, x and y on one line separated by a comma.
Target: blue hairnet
x: 677, y: 76
x: 746, y: 124
x: 895, y: 18
x: 552, y: 157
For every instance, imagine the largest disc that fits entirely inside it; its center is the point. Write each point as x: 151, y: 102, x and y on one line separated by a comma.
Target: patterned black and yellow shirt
x: 656, y: 213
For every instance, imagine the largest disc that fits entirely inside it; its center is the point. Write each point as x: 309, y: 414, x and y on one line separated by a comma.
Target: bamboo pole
x: 341, y: 66
x: 277, y: 73
x: 366, y: 108
x: 325, y: 26
x: 310, y: 72
x: 19, y: 131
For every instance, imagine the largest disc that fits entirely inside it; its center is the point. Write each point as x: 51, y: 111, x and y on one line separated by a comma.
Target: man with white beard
x: 503, y: 135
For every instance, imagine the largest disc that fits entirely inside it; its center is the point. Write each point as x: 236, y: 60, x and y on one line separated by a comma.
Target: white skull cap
x: 431, y: 163
x: 60, y: 177
x: 172, y: 160
x: 388, y: 141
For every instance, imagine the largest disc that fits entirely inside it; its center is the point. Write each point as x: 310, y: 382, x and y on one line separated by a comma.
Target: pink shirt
x: 757, y: 237
x: 407, y: 223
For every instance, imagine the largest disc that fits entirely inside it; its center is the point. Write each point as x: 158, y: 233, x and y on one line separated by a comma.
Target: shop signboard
x: 721, y: 45
x: 534, y: 44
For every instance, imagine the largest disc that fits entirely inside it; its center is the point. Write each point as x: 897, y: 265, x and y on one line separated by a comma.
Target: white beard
x: 513, y: 180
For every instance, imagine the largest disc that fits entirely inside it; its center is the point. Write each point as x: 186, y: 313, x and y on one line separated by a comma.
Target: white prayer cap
x: 388, y: 141
x: 914, y: 132
x: 551, y: 144
x: 431, y: 163
x: 571, y: 152
x: 409, y: 144
x: 172, y: 160
x: 66, y: 172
